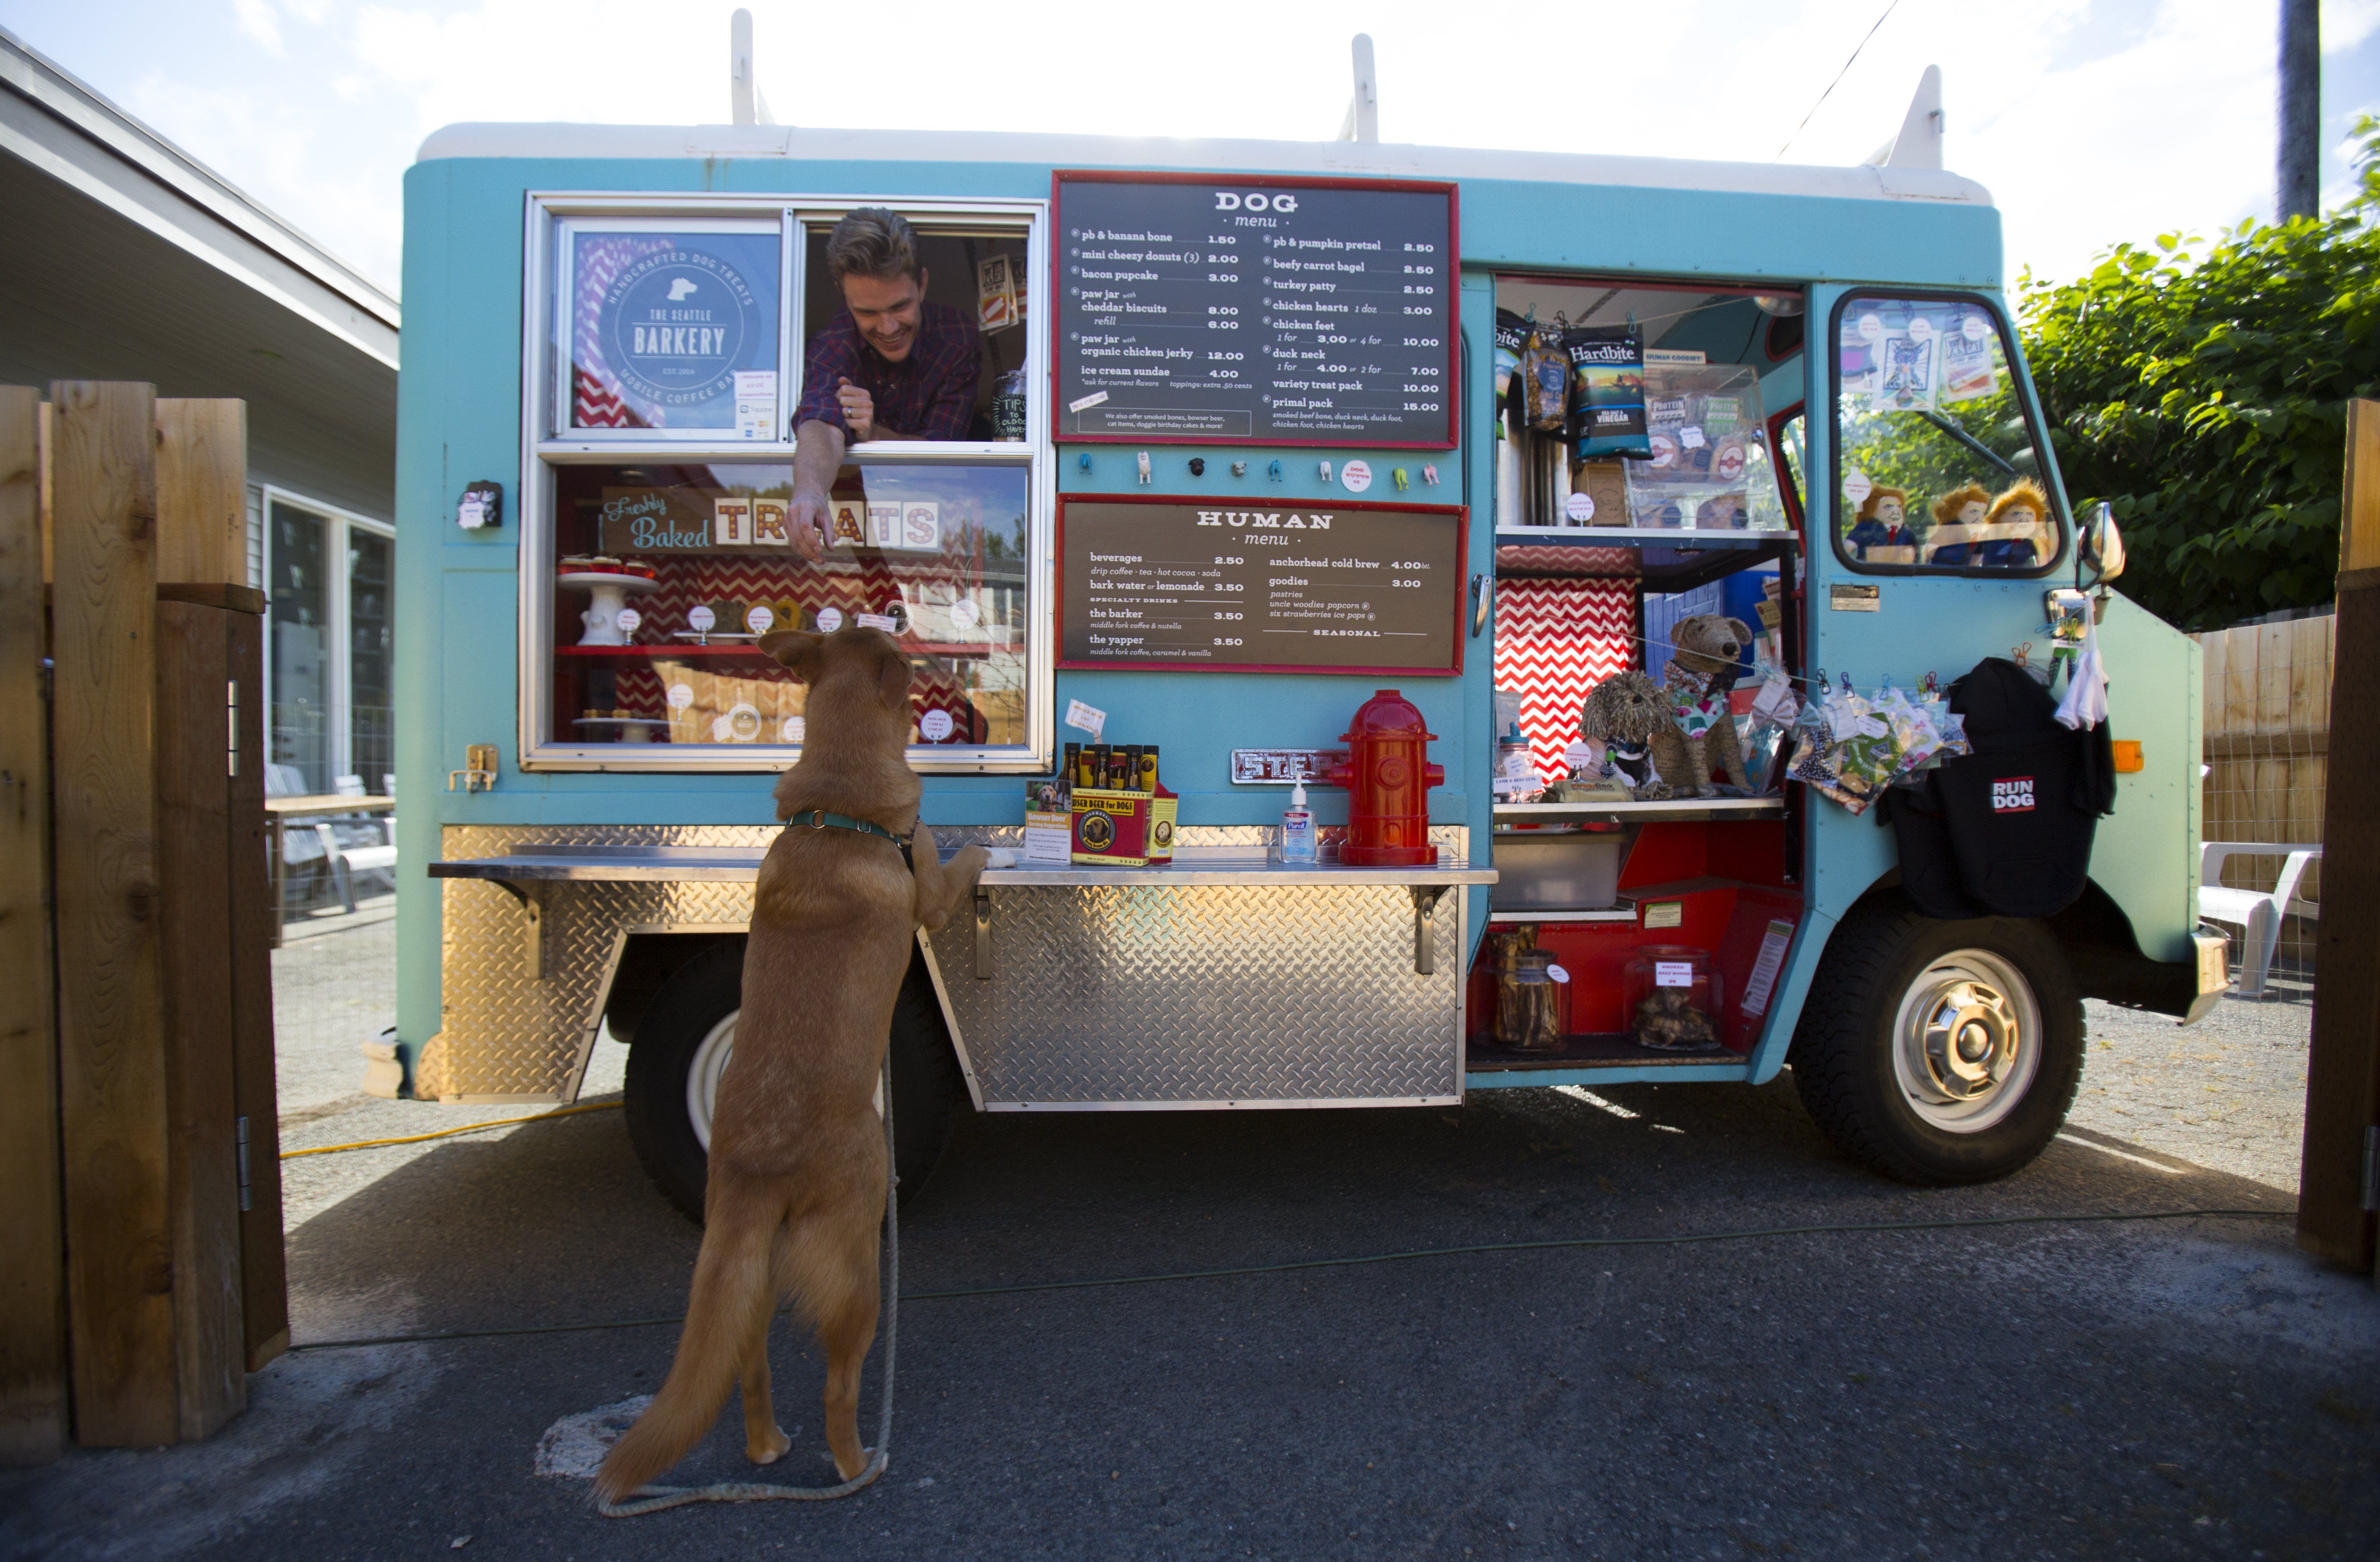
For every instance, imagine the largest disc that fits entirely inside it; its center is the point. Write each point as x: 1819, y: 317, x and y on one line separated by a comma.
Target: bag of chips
x: 1607, y: 390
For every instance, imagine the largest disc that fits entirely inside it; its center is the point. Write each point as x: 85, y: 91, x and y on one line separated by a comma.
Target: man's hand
x: 858, y: 409
x: 807, y: 522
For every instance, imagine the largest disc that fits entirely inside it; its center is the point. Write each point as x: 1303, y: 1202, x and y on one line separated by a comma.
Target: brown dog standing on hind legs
x: 798, y: 1168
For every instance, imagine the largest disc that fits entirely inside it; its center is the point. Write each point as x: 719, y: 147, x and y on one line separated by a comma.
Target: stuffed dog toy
x: 1625, y: 714
x: 1700, y: 732
x: 798, y: 1168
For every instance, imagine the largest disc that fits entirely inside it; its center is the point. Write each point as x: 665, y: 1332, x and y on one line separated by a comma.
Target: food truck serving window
x: 1937, y: 468
x: 687, y: 344
x: 670, y: 571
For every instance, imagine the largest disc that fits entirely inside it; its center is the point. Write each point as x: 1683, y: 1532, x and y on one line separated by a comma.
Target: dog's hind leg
x: 833, y: 1254
x: 764, y: 1441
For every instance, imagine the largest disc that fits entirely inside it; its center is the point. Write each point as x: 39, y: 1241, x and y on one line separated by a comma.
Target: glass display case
x: 666, y: 574
x: 656, y: 493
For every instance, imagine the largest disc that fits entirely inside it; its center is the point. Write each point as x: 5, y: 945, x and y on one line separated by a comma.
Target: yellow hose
x: 443, y: 1134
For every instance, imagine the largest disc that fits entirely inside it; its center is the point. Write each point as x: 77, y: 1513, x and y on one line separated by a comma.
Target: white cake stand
x: 611, y: 593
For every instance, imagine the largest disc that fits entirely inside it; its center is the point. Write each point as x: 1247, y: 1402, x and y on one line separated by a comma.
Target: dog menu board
x: 1224, y: 588
x: 1215, y: 309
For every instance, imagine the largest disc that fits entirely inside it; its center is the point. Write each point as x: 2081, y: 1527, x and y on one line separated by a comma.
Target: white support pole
x: 1362, y: 121
x: 739, y: 69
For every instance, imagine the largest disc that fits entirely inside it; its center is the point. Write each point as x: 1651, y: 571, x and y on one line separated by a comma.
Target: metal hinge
x: 2372, y: 1167
x: 231, y: 720
x: 243, y: 1166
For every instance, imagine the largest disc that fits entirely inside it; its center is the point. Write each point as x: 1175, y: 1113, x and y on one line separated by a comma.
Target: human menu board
x: 1309, y: 588
x: 1214, y: 308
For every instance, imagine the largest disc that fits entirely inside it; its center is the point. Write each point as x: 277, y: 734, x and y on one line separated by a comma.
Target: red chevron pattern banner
x: 1555, y: 641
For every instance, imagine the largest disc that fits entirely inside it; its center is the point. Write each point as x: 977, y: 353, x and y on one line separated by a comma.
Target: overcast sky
x: 2091, y: 120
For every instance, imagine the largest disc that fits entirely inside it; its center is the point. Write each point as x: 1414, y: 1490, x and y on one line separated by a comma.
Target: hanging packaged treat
x: 1607, y: 390
x: 1542, y: 379
x: 1512, y: 336
x: 1968, y: 372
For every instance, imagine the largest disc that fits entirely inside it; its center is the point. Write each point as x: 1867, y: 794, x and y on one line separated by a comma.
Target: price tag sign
x: 791, y: 730
x: 760, y: 619
x: 680, y: 696
x: 965, y: 614
x: 935, y: 726
x: 701, y: 621
x: 629, y: 620
x: 1673, y: 973
x: 830, y: 619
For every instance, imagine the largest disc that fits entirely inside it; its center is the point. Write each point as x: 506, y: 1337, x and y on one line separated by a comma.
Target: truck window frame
x: 2020, y: 387
x: 547, y: 442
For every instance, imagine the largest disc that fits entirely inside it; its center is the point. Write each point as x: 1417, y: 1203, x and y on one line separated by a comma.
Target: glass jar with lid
x: 1674, y: 998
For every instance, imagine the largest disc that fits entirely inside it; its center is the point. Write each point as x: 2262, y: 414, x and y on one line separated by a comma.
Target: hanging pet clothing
x: 2007, y: 829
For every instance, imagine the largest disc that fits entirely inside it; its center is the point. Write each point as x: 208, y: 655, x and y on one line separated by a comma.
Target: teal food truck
x: 1208, y: 445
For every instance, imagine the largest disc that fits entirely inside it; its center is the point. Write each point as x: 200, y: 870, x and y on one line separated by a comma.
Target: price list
x: 1256, y: 312
x: 1346, y: 587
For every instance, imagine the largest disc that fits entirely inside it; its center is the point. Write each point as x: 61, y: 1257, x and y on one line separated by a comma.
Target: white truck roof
x: 1337, y: 159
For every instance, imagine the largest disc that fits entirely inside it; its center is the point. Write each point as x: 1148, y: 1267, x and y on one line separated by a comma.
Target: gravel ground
x: 2227, y: 1092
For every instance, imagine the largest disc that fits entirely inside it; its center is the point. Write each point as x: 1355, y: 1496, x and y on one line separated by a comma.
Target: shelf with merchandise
x: 1668, y: 559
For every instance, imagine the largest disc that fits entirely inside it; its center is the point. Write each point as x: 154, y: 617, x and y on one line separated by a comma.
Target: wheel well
x: 2102, y: 952
x: 650, y: 959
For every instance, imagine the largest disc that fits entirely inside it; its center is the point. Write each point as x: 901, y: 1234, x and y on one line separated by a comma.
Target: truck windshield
x: 1937, y: 465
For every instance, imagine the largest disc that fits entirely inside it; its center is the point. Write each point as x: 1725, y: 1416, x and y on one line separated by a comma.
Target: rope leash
x: 653, y: 1499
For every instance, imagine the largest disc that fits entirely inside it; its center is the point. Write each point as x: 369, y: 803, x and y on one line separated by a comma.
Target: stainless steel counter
x: 1192, y: 865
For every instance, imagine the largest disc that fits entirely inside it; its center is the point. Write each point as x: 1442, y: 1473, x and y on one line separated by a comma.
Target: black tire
x: 709, y: 989
x: 1845, y: 1048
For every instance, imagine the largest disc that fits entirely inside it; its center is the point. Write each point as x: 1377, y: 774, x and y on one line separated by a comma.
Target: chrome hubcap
x: 710, y: 1060
x: 1967, y: 1041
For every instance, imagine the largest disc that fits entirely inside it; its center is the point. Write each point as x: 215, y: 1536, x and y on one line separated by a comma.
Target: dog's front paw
x: 771, y: 1451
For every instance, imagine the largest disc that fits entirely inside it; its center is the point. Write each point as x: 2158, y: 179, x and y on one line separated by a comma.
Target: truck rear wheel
x: 687, y: 1037
x: 1938, y: 1053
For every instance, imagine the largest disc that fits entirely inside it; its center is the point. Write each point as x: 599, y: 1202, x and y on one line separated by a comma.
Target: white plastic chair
x: 2256, y: 913
x: 347, y: 861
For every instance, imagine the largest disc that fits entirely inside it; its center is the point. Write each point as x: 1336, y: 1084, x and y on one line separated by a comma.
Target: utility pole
x: 2297, y: 181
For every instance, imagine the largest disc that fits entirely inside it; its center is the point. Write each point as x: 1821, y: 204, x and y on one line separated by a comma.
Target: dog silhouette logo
x: 681, y: 289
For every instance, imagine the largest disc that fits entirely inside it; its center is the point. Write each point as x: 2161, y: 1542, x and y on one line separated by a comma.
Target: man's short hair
x: 872, y: 241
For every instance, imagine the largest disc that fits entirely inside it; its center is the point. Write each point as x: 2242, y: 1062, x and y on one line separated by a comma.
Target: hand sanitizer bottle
x: 1296, y: 827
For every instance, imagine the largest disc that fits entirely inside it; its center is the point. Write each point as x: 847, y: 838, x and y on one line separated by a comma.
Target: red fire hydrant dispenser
x: 1388, y: 776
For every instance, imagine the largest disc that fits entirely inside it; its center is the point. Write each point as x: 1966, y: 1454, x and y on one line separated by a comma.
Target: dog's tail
x: 730, y: 1303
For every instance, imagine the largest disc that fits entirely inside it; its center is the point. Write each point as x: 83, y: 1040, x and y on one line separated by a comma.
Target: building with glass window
x: 129, y: 260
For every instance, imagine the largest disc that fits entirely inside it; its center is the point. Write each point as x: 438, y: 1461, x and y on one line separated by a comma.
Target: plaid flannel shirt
x: 929, y: 394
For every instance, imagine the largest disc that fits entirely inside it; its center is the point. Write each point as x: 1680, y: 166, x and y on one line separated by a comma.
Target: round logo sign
x: 965, y: 613
x: 1728, y: 465
x: 680, y: 696
x: 743, y: 722
x: 1098, y: 831
x: 1578, y: 506
x: 676, y: 325
x: 700, y: 619
x: 1856, y: 487
x: 830, y: 619
x: 935, y: 726
x: 1356, y: 475
x: 760, y: 618
x: 629, y: 620
x: 1164, y: 834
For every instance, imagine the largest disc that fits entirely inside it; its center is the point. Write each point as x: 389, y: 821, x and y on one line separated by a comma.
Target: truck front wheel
x: 1938, y: 1053
x: 687, y: 1037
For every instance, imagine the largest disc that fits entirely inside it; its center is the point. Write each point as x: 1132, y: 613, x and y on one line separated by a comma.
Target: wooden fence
x: 140, y: 1179
x: 2266, y: 688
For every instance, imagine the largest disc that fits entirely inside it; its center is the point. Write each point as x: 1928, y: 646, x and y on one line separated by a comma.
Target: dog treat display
x: 1673, y: 996
x: 1530, y: 1007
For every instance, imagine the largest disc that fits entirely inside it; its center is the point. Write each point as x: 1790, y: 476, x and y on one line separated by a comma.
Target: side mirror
x: 2102, y: 544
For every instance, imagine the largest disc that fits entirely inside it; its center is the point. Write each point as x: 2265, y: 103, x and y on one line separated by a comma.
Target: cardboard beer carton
x: 1123, y: 829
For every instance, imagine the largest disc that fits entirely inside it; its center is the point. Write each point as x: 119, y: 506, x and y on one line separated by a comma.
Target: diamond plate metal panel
x: 1207, y: 995
x: 505, y: 1031
x: 1156, y: 995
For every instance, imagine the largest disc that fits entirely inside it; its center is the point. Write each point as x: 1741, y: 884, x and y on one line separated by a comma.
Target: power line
x: 1834, y: 83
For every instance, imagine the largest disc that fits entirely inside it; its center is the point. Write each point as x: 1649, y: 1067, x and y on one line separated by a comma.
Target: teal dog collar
x: 821, y: 819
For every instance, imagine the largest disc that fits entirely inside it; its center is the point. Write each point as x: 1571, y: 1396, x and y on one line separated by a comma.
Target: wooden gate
x: 139, y: 1171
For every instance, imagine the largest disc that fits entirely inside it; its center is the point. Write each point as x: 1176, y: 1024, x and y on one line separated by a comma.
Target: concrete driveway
x: 2153, y: 1390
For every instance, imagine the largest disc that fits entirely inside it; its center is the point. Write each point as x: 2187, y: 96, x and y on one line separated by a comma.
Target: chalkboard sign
x: 1214, y: 308
x: 1198, y: 585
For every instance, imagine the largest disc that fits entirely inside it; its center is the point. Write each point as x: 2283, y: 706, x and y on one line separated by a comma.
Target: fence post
x: 32, y: 1280
x: 2343, y: 1064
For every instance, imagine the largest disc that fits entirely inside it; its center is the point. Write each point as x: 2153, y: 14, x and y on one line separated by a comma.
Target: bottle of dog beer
x: 1071, y: 771
x: 1147, y: 781
x: 1119, y: 773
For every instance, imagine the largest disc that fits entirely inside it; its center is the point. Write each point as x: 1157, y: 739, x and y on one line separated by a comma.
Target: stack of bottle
x: 1123, y: 815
